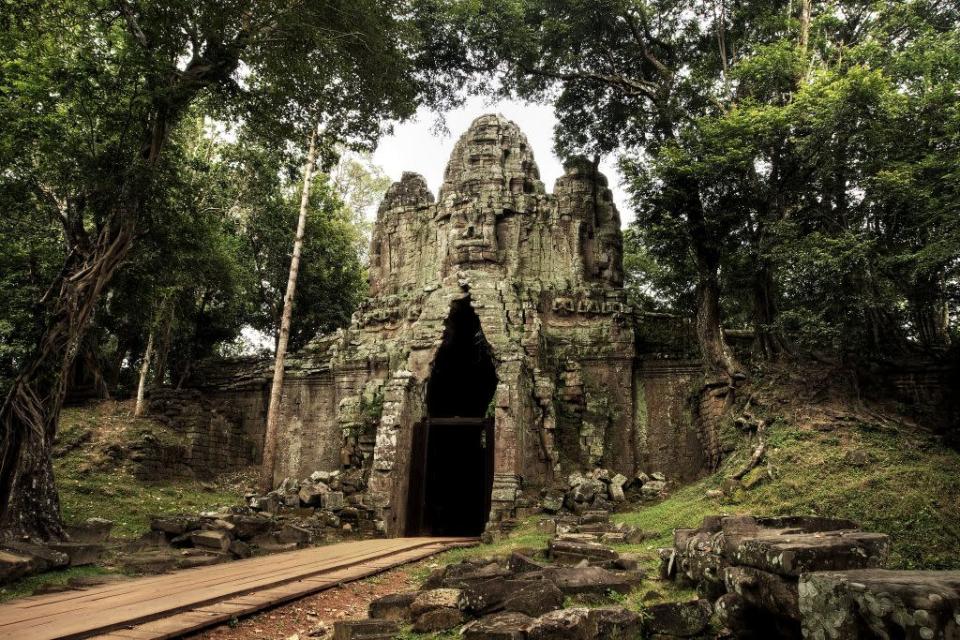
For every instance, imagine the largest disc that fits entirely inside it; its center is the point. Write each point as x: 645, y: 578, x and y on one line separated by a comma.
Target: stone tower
x: 494, y: 354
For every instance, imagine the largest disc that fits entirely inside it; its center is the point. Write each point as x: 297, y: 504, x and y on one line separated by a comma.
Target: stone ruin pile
x: 522, y: 596
x: 809, y: 576
x: 602, y: 489
x: 334, y: 497
x: 324, y: 507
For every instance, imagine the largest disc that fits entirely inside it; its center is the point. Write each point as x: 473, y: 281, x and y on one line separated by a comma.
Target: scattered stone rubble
x: 325, y: 507
x: 521, y: 596
x: 334, y: 495
x: 602, y: 489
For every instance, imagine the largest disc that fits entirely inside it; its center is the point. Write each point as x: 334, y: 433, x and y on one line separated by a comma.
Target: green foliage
x: 812, y: 170
x: 26, y: 586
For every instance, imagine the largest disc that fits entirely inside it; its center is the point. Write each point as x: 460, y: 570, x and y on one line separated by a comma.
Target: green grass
x: 92, y: 484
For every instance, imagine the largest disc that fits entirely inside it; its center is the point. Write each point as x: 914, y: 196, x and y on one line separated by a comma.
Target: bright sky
x: 415, y: 146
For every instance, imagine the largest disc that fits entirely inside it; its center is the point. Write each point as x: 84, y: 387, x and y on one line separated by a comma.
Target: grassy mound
x: 831, y: 454
x: 95, y: 479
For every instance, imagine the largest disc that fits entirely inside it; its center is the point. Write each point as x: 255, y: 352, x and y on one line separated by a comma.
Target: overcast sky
x: 415, y: 146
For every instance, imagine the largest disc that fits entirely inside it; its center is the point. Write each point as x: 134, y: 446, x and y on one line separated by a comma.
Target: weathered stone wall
x: 204, y: 437
x: 669, y: 441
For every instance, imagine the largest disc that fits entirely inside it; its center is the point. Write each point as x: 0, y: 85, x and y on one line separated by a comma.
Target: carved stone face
x: 473, y: 236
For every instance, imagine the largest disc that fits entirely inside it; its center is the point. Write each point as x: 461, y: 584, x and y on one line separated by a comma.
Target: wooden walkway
x: 170, y: 605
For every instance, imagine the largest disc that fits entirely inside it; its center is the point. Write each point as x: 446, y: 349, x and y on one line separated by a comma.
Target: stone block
x: 436, y: 599
x: 871, y: 603
x: 333, y: 500
x: 215, y: 540
x: 572, y: 552
x: 439, y: 619
x: 175, y: 525
x: 80, y: 553
x: 311, y: 494
x: 791, y: 555
x: 573, y: 581
x: 762, y: 590
x: 498, y: 626
x: 678, y: 619
x: 91, y: 530
x: 365, y: 630
x: 395, y: 606
x: 293, y: 534
x: 14, y: 566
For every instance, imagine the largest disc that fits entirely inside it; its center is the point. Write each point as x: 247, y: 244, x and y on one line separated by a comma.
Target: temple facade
x: 496, y: 352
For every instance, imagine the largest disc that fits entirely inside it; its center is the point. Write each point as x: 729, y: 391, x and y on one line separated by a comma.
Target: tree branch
x: 132, y: 24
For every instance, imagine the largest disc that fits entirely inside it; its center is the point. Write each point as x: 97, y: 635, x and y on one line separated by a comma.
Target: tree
x: 276, y: 388
x: 139, y: 67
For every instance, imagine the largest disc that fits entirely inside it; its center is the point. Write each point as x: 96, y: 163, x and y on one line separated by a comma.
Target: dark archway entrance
x: 451, y: 473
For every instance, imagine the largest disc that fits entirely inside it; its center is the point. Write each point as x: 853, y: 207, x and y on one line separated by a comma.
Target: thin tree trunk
x: 273, y: 412
x: 144, y: 373
x: 769, y: 340
x: 805, y: 10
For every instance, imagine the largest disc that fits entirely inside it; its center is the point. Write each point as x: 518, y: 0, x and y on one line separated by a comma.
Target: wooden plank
x: 163, y: 606
x: 191, y: 585
x: 186, y: 622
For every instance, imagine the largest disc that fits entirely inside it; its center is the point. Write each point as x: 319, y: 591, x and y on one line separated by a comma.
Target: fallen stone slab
x: 573, y: 623
x: 871, y: 603
x: 520, y: 562
x: 439, y: 619
x: 581, y: 623
x: 532, y: 597
x: 294, y: 534
x: 14, y: 566
x: 19, y: 559
x: 80, y: 553
x: 148, y: 562
x: 365, y: 630
x: 395, y: 606
x: 498, y: 626
x: 248, y: 526
x: 91, y: 530
x: 565, y: 551
x: 535, y: 599
x: 763, y: 590
x: 794, y: 554
x: 590, y: 580
x: 436, y: 599
x: 211, y: 539
x: 678, y: 619
x: 175, y: 525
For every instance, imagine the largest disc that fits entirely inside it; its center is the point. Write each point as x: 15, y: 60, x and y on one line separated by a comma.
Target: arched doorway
x: 451, y: 472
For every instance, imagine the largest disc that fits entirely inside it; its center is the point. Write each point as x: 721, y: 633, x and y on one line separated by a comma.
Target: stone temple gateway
x: 495, y: 354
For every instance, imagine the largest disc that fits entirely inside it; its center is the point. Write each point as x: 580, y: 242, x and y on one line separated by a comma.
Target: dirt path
x: 317, y: 612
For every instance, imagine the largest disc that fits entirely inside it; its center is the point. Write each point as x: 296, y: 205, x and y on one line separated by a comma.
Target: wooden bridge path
x: 173, y: 604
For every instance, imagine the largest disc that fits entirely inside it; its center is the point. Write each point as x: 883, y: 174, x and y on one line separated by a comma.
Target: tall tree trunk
x: 31, y: 410
x: 144, y: 374
x: 273, y: 412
